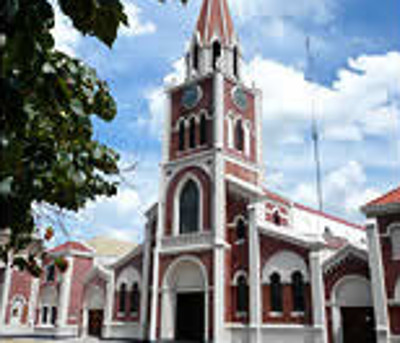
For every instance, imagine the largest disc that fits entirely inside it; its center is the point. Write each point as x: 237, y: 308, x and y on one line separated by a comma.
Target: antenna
x: 314, y: 126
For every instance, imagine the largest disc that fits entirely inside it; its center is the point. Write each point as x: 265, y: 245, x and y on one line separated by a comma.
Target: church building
x: 224, y: 259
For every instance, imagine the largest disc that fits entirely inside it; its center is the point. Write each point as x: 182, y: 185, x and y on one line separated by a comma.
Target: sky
x: 355, y: 46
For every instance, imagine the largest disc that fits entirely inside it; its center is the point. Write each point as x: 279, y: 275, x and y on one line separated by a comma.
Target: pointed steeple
x: 215, y: 21
x: 214, y: 44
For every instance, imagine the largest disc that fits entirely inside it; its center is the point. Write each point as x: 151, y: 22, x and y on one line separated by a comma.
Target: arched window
x: 276, y: 218
x: 216, y: 49
x: 122, y: 298
x: 298, y: 292
x: 239, y: 135
x: 276, y: 293
x: 196, y: 52
x: 192, y: 133
x: 235, y: 61
x: 203, y: 130
x: 240, y: 229
x: 242, y: 295
x: 189, y: 203
x: 182, y: 135
x: 135, y: 298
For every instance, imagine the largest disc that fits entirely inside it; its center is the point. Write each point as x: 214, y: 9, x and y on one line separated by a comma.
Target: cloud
x: 346, y: 189
x: 321, y: 11
x: 136, y: 25
x: 153, y: 121
x: 67, y: 38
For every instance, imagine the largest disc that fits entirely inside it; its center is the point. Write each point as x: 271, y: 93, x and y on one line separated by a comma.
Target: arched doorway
x: 352, y: 311
x: 94, y: 310
x: 185, y: 301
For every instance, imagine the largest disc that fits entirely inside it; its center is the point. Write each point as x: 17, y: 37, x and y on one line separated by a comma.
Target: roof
x: 71, y: 245
x: 106, y: 246
x: 387, y: 203
x: 215, y: 20
x: 329, y: 216
x: 391, y: 197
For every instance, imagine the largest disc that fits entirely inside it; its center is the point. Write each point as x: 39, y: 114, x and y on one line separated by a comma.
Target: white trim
x: 128, y: 276
x: 168, y: 291
x: 237, y: 275
x: 177, y: 196
x: 337, y: 329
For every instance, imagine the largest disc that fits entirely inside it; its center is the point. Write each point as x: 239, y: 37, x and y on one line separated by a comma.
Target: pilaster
x: 218, y: 102
x: 108, y: 314
x: 254, y: 274
x: 318, y: 297
x: 65, y: 293
x: 378, y: 283
x: 155, y: 289
x: 219, y: 248
x: 6, y: 294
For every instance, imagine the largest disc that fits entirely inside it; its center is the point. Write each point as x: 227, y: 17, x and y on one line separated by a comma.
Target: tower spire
x: 214, y: 43
x: 215, y: 21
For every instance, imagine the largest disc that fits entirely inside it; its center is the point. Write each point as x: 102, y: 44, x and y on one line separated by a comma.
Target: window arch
x: 236, y: 61
x: 135, y: 298
x: 276, y: 293
x: 276, y: 218
x: 189, y: 204
x: 242, y: 295
x: 196, y: 52
x: 216, y: 51
x: 240, y: 229
x: 239, y: 135
x: 192, y: 133
x: 122, y: 298
x: 203, y: 129
x: 298, y: 292
x: 182, y: 135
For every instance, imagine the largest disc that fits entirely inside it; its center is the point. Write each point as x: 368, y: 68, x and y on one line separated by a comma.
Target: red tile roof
x: 391, y: 197
x: 215, y: 19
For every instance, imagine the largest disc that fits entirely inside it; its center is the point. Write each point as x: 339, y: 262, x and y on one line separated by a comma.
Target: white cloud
x: 320, y: 11
x: 345, y: 190
x: 136, y: 25
x: 66, y: 37
x: 153, y: 120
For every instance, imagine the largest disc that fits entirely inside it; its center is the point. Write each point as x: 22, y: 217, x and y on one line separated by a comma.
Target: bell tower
x: 212, y: 148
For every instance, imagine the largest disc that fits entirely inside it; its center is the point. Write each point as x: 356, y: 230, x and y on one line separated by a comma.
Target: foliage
x: 47, y: 151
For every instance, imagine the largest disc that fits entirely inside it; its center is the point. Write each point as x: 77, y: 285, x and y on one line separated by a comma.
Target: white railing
x: 203, y: 239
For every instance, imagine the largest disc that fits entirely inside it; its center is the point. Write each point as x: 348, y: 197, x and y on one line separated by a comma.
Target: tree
x: 47, y: 151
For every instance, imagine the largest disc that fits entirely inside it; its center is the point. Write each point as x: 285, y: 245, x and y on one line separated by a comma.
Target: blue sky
x: 356, y: 44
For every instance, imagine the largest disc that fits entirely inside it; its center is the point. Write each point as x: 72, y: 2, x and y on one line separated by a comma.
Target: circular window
x: 240, y: 98
x: 191, y: 96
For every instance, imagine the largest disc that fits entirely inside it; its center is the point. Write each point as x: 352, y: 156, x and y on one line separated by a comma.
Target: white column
x: 218, y: 115
x: 258, y: 129
x: 318, y: 297
x: 219, y: 248
x: 33, y: 299
x: 6, y: 293
x: 166, y: 138
x: 254, y: 275
x: 155, y: 289
x: 378, y: 283
x: 65, y: 292
x: 144, y: 291
x: 109, y: 309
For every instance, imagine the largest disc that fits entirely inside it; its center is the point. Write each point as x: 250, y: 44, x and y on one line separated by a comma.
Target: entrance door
x: 95, y: 322
x: 358, y: 324
x: 190, y: 311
